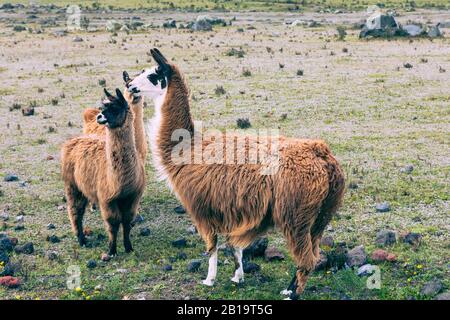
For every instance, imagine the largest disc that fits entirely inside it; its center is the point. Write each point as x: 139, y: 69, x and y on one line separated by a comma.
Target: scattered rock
x: 202, y: 24
x: 412, y: 238
x: 356, y: 257
x: 383, y: 207
x: 11, y: 178
x: 432, y: 288
x: 179, y: 243
x: 194, y: 265
x: 243, y: 123
x: 138, y: 219
x: 4, y: 257
x: 51, y: 255
x: 386, y: 237
x: 144, y: 232
x: 443, y: 296
x: 413, y: 30
x: 170, y: 24
x: 257, y: 248
x: 113, y: 25
x: 19, y: 227
x: 250, y: 267
x: 4, y: 216
x: 181, y: 256
x: 28, y: 111
x: 51, y: 226
x: 434, y: 31
x: 91, y: 264
x: 379, y: 255
x: 77, y: 39
x: 407, y: 169
x: 327, y: 241
x: 53, y: 239
x: 6, y: 244
x: 179, y: 210
x: 191, y: 230
x: 408, y: 65
x: 20, y: 219
x: 9, y: 282
x: 105, y: 257
x: 365, y: 270
x: 27, y: 248
x: 273, y: 254
x: 167, y: 267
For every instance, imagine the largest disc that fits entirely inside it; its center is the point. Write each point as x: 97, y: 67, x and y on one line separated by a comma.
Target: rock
x: 202, y: 24
x: 194, y: 265
x: 179, y: 210
x: 434, y: 31
x: 11, y: 178
x: 250, y: 267
x: 4, y: 216
x: 356, y: 257
x: 144, y: 232
x: 167, y: 267
x: 391, y: 257
x: 383, y: 207
x: 365, y: 270
x: 53, y: 239
x: 170, y: 24
x: 10, y: 269
x: 6, y: 244
x: 51, y: 226
x: 257, y: 248
x: 28, y: 111
x: 113, y: 25
x: 27, y: 248
x: 179, y: 243
x: 386, y: 237
x: 60, y: 33
x: 407, y: 169
x: 379, y: 255
x: 4, y: 257
x: 77, y: 39
x: 432, y: 288
x: 138, y: 219
x: 20, y: 219
x: 408, y: 65
x: 273, y: 254
x: 19, y: 227
x: 353, y: 185
x: 125, y: 28
x: 91, y: 264
x: 243, y: 123
x: 327, y: 241
x: 443, y: 296
x: 9, y: 282
x: 413, y: 30
x: 192, y: 230
x: 105, y: 257
x: 412, y: 238
x: 51, y: 255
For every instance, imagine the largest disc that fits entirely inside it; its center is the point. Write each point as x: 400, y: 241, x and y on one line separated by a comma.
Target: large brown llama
x: 106, y: 170
x: 237, y: 200
x: 136, y: 103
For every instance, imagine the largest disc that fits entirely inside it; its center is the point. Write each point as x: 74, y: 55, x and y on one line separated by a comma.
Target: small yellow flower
x: 419, y: 266
x: 18, y: 297
x: 328, y: 272
x: 78, y: 289
x: 409, y: 279
x: 96, y: 292
x: 88, y: 297
x: 415, y: 272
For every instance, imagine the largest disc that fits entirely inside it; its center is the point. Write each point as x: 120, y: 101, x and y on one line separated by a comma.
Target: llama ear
x: 120, y: 96
x: 126, y: 77
x: 162, y: 62
x: 108, y: 95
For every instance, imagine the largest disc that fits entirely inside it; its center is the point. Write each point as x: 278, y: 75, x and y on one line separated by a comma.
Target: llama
x: 236, y: 200
x: 136, y: 103
x: 106, y: 170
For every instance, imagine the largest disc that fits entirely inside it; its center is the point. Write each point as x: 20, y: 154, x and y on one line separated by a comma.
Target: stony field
x: 382, y: 105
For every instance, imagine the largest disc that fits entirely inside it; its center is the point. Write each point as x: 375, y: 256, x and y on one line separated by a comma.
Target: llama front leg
x: 111, y: 216
x: 211, y: 243
x: 239, y: 273
x: 76, y: 205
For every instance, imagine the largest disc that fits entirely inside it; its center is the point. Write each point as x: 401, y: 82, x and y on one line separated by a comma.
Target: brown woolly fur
x: 90, y: 125
x: 236, y: 200
x: 106, y: 170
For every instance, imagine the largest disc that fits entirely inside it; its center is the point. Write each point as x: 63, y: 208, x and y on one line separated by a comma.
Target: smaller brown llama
x: 136, y: 102
x: 106, y: 170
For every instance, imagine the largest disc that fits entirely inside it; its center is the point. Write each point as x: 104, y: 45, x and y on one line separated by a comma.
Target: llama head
x: 114, y: 110
x: 153, y: 82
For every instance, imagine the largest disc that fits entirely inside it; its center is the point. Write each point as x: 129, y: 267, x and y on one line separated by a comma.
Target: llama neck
x: 139, y: 137
x: 121, y: 153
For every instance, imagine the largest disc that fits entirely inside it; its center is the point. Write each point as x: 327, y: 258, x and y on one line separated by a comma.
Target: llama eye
x: 153, y: 78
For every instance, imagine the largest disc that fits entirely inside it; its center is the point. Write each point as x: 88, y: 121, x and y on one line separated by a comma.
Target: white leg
x: 239, y: 273
x: 212, y: 270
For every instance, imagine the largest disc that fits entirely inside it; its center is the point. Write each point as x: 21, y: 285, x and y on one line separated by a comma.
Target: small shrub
x: 219, y: 90
x: 19, y: 28
x: 102, y: 82
x: 15, y: 106
x: 300, y: 72
x: 246, y: 72
x: 55, y: 101
x: 342, y: 33
x: 235, y: 53
x: 243, y: 123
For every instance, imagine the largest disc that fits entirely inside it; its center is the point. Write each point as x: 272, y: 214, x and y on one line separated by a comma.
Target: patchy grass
x: 376, y: 120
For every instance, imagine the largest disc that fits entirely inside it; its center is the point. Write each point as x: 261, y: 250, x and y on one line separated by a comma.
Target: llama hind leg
x: 76, y: 205
x: 111, y: 216
x: 211, y: 243
x: 239, y: 272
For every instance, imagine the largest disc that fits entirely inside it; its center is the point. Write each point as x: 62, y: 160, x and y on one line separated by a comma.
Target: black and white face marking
x: 113, y: 111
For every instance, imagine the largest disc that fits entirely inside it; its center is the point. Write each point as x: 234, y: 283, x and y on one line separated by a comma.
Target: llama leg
x: 126, y: 225
x: 239, y: 273
x: 127, y: 217
x: 111, y: 216
x: 212, y: 263
x: 76, y: 205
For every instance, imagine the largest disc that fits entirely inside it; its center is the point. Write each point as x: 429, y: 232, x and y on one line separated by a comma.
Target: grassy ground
x: 376, y: 115
x: 254, y: 5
